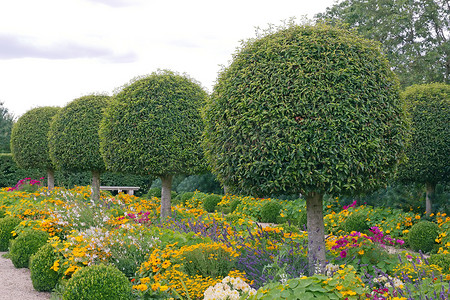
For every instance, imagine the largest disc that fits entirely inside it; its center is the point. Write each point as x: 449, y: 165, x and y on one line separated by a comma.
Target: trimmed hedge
x: 98, y: 282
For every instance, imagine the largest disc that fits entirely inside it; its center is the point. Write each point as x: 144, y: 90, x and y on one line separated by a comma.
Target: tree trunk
x: 50, y: 179
x: 225, y: 189
x: 95, y: 187
x: 429, y: 197
x: 166, y: 196
x: 316, y: 233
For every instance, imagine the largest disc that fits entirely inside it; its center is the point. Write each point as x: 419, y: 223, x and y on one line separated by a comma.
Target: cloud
x: 115, y: 3
x: 183, y: 43
x: 13, y: 47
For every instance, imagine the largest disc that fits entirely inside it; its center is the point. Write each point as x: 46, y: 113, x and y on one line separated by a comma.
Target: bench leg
x: 130, y: 192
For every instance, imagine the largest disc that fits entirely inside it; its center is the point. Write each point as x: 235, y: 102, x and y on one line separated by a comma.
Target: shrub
x: 186, y: 196
x: 98, y: 282
x: 442, y: 260
x: 208, y: 260
x: 7, y: 225
x: 234, y: 204
x: 154, y: 192
x: 44, y: 278
x: 422, y: 236
x: 10, y: 173
x: 355, y: 222
x: 210, y: 202
x: 232, y: 218
x: 26, y: 244
x: 270, y: 211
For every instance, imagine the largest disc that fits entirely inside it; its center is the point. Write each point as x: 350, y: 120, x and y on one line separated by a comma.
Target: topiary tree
x: 305, y: 109
x: 154, y: 126
x: 73, y: 138
x: 29, y: 141
x: 429, y: 149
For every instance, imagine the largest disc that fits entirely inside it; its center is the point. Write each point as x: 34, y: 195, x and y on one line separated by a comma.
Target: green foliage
x: 315, y: 287
x: 98, y: 282
x: 306, y: 108
x: 154, y: 192
x: 73, y: 137
x: 232, y: 218
x: 29, y: 138
x: 414, y: 34
x: 428, y: 151
x: 44, y: 278
x: 302, y: 220
x: 270, y: 211
x: 7, y: 225
x: 10, y: 174
x: 187, y: 196
x: 234, y: 204
x: 210, y: 202
x: 206, y: 183
x: 207, y: 261
x: 154, y: 126
x: 26, y: 244
x: 355, y: 222
x: 422, y: 236
x: 442, y: 260
x: 6, y: 123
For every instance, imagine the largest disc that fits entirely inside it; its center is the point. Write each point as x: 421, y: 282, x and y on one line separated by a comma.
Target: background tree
x: 6, y: 123
x: 29, y: 141
x: 309, y: 110
x: 429, y: 150
x: 415, y: 34
x: 74, y: 141
x: 154, y: 126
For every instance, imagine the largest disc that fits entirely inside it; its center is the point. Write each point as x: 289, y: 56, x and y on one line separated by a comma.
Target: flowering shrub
x: 229, y: 289
x: 27, y: 185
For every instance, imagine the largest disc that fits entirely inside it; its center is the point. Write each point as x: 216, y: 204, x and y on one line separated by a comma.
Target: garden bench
x: 128, y: 189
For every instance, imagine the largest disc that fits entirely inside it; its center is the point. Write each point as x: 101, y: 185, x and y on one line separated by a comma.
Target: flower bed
x: 199, y: 255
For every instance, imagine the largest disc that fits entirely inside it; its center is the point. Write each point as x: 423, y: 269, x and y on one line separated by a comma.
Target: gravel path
x: 15, y: 284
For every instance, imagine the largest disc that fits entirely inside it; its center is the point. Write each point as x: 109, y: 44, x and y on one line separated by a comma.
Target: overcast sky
x: 54, y: 51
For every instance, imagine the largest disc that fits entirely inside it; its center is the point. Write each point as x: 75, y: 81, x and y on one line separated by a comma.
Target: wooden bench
x: 128, y: 189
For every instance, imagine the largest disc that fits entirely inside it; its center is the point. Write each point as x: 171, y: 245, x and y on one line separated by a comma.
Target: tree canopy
x: 73, y: 138
x: 310, y: 109
x: 6, y: 123
x: 414, y: 34
x: 29, y: 140
x: 154, y: 126
x: 429, y: 149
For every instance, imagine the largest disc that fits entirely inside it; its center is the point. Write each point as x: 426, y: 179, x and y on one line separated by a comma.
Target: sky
x: 54, y: 51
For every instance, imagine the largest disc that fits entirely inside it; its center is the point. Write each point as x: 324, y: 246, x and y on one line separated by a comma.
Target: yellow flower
x: 339, y: 287
x: 145, y: 280
x: 164, y: 288
x: 361, y: 252
x: 55, y: 266
x: 140, y: 287
x: 417, y: 217
x: 166, y: 264
x: 155, y: 286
